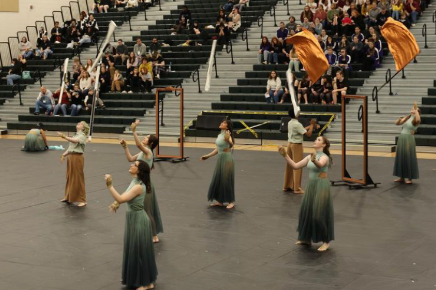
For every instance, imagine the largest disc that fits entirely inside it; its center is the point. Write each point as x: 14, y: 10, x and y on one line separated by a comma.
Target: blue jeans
x: 396, y: 14
x: 414, y: 16
x: 274, y: 97
x: 27, y: 54
x: 11, y: 78
x: 75, y: 109
x: 62, y: 107
x: 273, y: 58
x: 40, y: 104
x: 45, y: 53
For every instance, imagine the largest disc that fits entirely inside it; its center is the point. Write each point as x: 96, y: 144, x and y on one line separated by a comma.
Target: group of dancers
x: 143, y: 220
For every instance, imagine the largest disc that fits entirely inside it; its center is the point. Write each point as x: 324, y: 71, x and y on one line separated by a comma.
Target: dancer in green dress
x: 151, y: 205
x: 139, y: 266
x: 222, y: 187
x: 315, y: 222
x: 35, y: 139
x: 406, y: 163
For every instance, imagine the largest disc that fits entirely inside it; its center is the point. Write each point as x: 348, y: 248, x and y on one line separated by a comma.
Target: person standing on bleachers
x: 15, y: 72
x: 45, y: 48
x: 44, y: 100
x: 296, y: 132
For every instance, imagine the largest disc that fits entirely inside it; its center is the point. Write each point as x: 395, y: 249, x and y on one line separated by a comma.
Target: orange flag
x: 402, y: 44
x: 310, y: 54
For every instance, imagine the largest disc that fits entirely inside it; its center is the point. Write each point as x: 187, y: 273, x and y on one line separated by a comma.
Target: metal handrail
x: 27, y: 34
x: 300, y: 3
x: 215, y: 65
x: 129, y: 18
x: 272, y: 12
x: 78, y: 7
x: 10, y: 51
x: 434, y: 20
x: 388, y: 79
x: 229, y: 48
x: 145, y: 10
x: 9, y: 41
x: 196, y: 79
x: 286, y: 3
x: 17, y: 85
x: 244, y: 36
x: 375, y: 98
x: 424, y: 34
x: 62, y: 15
x: 58, y: 64
x: 259, y: 24
x: 35, y: 79
x: 176, y: 93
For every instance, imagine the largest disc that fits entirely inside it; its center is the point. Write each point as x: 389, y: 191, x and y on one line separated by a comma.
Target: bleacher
x: 426, y: 133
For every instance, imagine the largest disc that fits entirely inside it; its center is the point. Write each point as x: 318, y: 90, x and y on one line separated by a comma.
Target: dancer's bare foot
x: 303, y: 243
x: 299, y: 192
x: 399, y: 180
x: 156, y: 239
x: 141, y: 288
x: 216, y: 203
x: 151, y: 286
x: 230, y: 206
x: 409, y: 181
x: 324, y: 247
x: 82, y: 204
x: 287, y: 189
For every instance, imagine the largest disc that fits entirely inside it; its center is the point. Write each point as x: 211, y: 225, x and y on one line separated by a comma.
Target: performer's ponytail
x: 326, y: 150
x: 153, y: 141
x: 230, y: 128
x: 144, y: 174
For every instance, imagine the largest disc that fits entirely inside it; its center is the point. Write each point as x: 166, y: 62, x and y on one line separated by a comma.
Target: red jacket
x: 65, y: 99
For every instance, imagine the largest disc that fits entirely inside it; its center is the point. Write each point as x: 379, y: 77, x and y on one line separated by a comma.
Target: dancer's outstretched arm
x: 298, y: 165
x: 129, y: 156
x: 213, y: 153
x: 126, y: 196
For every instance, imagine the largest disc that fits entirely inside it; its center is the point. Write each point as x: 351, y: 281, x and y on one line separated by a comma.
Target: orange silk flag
x: 402, y: 44
x: 310, y: 54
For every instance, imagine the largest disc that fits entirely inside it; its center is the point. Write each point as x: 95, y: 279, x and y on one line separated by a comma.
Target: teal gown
x: 150, y: 202
x: 406, y: 162
x: 139, y: 265
x: 222, y: 187
x: 316, y: 213
x: 34, y: 142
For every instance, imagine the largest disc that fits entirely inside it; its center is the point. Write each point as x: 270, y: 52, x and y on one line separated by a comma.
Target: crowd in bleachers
x: 349, y: 34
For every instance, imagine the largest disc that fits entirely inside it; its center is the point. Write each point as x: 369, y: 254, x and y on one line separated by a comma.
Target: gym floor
x: 385, y: 236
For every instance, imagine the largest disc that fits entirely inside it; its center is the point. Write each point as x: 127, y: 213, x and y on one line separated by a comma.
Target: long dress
x: 34, y: 141
x: 316, y: 213
x: 222, y: 187
x: 150, y: 202
x: 139, y: 265
x: 406, y: 163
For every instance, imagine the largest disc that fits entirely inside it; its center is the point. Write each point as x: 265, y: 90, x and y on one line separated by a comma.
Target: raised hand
x: 227, y: 136
x: 313, y: 157
x: 123, y: 143
x: 282, y: 151
x: 108, y: 179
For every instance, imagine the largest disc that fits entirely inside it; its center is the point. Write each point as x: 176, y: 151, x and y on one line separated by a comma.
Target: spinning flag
x: 310, y: 54
x: 402, y: 44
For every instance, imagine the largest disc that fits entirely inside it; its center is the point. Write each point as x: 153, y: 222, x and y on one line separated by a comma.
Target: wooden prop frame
x: 159, y: 122
x: 362, y: 116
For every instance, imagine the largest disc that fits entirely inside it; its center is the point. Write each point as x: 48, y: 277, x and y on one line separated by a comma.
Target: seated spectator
x: 371, y: 60
x: 223, y: 34
x: 93, y: 74
x: 303, y: 89
x: 331, y: 43
x: 287, y: 95
x: 331, y: 58
x: 88, y: 66
x: 112, y: 71
x: 146, y: 79
x: 331, y: 15
x: 306, y: 24
x: 15, y: 72
x: 276, y: 51
x: 347, y: 24
x: 65, y: 101
x: 274, y: 89
x: 312, y: 5
x: 378, y: 44
x: 81, y: 25
x: 121, y: 52
x: 73, y: 34
x: 134, y: 81
x: 265, y: 48
x: 35, y: 139
x: 56, y: 33
x: 158, y: 64
x: 107, y: 59
x: 356, y: 50
x: 118, y: 82
x: 344, y: 62
x: 25, y: 48
x: 321, y: 14
x: 358, y: 19
x: 105, y: 79
x: 85, y: 83
x: 41, y: 33
x: 44, y: 100
x: 336, y: 24
x: 120, y: 3
x: 147, y: 65
x: 201, y: 33
x: 325, y: 4
x: 89, y: 98
x: 358, y: 34
x: 365, y: 7
x: 76, y: 69
x: 88, y: 36
x: 185, y: 13
x: 132, y: 62
x: 104, y: 5
x: 76, y: 100
x: 307, y: 13
x: 282, y: 32
x: 44, y: 49
x: 315, y: 92
x: 294, y: 62
x: 292, y: 25
x: 383, y: 16
x: 373, y: 13
x: 180, y: 25
x: 326, y: 90
x: 405, y: 21
x: 385, y: 4
x: 155, y: 46
x: 321, y: 43
x: 221, y: 18
x: 412, y: 10
x: 317, y: 26
x: 241, y: 5
x: 345, y: 7
x: 92, y: 23
x: 228, y: 7
x: 236, y: 20
x: 343, y: 43
x: 340, y: 87
x: 140, y: 49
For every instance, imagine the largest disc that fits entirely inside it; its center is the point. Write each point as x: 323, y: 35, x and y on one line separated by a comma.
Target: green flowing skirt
x: 222, y: 187
x: 406, y: 163
x: 316, y: 213
x: 139, y: 265
x: 33, y: 143
x: 152, y: 208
